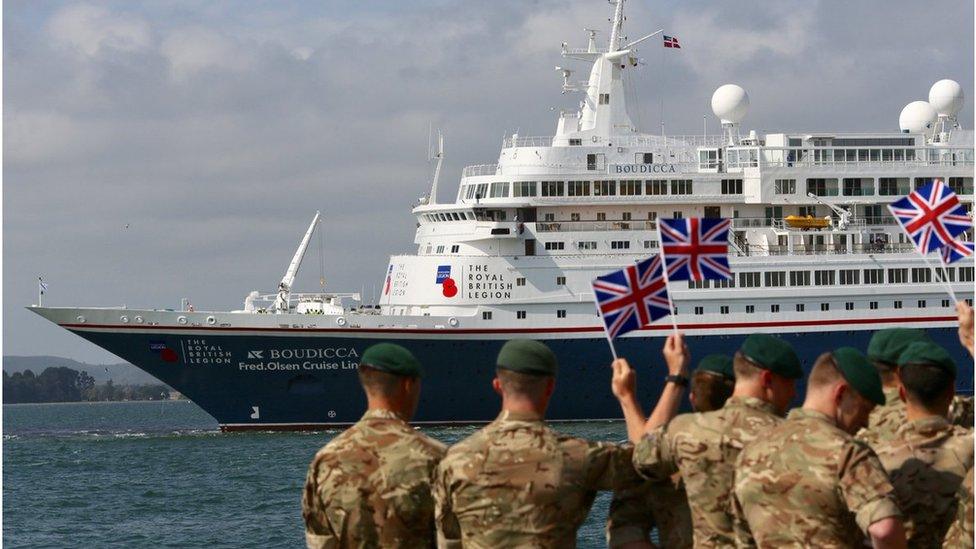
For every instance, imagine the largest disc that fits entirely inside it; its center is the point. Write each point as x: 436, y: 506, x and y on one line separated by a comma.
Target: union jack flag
x: 955, y: 251
x: 696, y: 248
x: 671, y: 42
x: 932, y: 216
x: 632, y: 297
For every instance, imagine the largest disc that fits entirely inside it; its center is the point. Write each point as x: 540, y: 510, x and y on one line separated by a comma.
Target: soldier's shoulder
x: 475, y: 444
x: 426, y: 444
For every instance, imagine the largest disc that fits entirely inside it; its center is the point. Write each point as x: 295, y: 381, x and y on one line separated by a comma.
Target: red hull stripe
x: 572, y: 329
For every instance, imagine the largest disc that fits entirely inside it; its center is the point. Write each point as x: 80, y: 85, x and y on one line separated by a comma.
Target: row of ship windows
x: 773, y: 308
x: 775, y: 279
x: 848, y: 186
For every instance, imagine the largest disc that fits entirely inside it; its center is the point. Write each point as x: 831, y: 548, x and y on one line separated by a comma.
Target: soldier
x: 516, y: 482
x: 883, y: 351
x: 664, y: 504
x: 928, y: 458
x: 704, y: 446
x: 960, y: 534
x: 961, y: 409
x: 808, y: 482
x: 371, y: 485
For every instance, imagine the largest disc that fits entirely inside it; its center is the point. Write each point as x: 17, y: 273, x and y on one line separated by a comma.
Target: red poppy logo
x: 448, y: 287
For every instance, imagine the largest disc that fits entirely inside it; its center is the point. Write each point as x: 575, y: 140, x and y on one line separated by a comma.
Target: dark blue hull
x: 301, y: 382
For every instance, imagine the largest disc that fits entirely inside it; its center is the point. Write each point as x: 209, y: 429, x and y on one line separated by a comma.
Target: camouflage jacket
x: 960, y: 534
x: 636, y: 510
x: 371, y: 486
x: 807, y: 483
x: 926, y: 463
x: 961, y: 411
x: 704, y: 448
x: 517, y: 483
x: 885, y: 420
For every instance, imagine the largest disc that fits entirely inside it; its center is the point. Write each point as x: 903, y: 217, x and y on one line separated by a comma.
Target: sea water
x: 138, y: 474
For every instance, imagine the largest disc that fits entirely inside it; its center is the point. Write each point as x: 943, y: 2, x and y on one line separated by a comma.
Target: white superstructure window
x: 699, y: 310
x: 728, y: 283
x: 499, y: 190
x: 560, y: 281
x: 965, y: 274
x: 921, y: 274
x: 649, y: 244
x: 731, y: 186
x: 784, y: 186
x: 455, y: 248
x: 619, y: 244
x: 945, y: 303
x: 774, y: 308
x: 799, y: 278
x: 945, y: 274
x: 555, y: 245
x: 630, y: 187
x: 586, y: 245
x: 549, y: 217
x: 601, y: 216
x: 873, y: 305
x: 578, y: 188
x: 775, y: 278
x: 553, y: 188
x: 750, y: 309
x: 604, y: 188
x: 520, y: 315
x: 824, y: 278
x: 800, y: 307
x: 656, y: 186
x: 440, y: 249
x: 849, y: 306
x: 698, y: 284
x: 723, y: 309
x: 574, y: 216
x: 680, y: 186
x: 677, y: 215
x: 825, y: 306
x: 897, y: 304
x: 749, y: 280
x: 897, y: 276
x: 560, y: 313
x: 524, y: 188
x: 874, y: 276
x: 520, y: 281
x: 850, y: 276
x: 921, y: 303
x: 486, y: 315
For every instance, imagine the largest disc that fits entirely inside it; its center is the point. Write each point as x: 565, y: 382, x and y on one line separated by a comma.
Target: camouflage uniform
x: 371, y: 486
x: 634, y: 511
x: 960, y: 534
x: 517, y: 483
x: 704, y: 447
x: 884, y: 420
x: 961, y: 412
x: 808, y: 483
x: 926, y: 463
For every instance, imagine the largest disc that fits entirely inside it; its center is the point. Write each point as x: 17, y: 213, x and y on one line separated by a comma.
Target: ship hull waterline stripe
x: 571, y: 329
x: 236, y: 427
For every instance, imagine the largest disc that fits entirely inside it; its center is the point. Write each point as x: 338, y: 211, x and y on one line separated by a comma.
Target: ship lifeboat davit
x: 808, y: 222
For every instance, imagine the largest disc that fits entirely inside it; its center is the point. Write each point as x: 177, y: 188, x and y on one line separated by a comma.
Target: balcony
x: 585, y: 226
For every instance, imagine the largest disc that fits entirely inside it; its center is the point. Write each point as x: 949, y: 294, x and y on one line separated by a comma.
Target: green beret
x: 773, y: 354
x: 860, y: 374
x: 719, y: 364
x: 392, y: 359
x: 926, y: 352
x: 887, y: 344
x: 527, y: 356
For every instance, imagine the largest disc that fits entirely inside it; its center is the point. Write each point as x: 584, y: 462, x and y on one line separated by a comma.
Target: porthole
x: 341, y: 321
x: 124, y: 319
x: 181, y: 319
x: 211, y: 320
x: 81, y: 319
x: 138, y: 320
x: 453, y: 322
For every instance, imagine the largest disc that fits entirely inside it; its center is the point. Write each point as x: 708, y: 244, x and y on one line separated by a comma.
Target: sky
x: 158, y: 150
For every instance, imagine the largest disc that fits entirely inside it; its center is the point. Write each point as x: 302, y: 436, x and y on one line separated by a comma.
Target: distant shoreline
x: 97, y: 402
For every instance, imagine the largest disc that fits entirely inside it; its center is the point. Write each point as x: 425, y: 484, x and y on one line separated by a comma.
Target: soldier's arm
x: 868, y: 494
x: 653, y: 455
x: 965, y: 325
x: 740, y: 527
x: 448, y: 528
x: 629, y: 521
x: 318, y: 532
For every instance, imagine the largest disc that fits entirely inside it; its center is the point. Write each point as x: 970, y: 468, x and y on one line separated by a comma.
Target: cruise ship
x: 816, y: 257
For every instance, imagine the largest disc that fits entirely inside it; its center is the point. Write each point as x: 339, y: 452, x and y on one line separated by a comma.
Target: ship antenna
x: 618, y: 21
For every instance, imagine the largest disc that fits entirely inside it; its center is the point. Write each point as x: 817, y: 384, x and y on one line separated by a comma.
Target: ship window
x: 481, y: 191
x: 604, y: 188
x: 824, y: 278
x: 520, y: 314
x: 724, y: 309
x: 652, y: 216
x: 520, y: 281
x: 680, y: 186
x: 625, y: 216
x: 549, y: 217
x: 645, y: 158
x: 604, y: 98
x: 469, y: 191
x: 630, y: 187
x: 524, y: 188
x: 731, y: 186
x: 897, y: 276
x: 897, y: 304
x: 850, y: 276
x: 555, y: 245
x: 799, y: 278
x: 699, y: 310
x: 440, y: 249
x: 825, y: 306
x: 499, y: 190
x: 575, y: 142
x: 486, y: 315
x: 849, y: 306
x: 429, y: 247
x: 774, y: 308
x: 750, y: 308
x: 648, y: 244
x: 800, y: 307
x: 676, y: 215
x: 560, y: 281
x: 921, y: 274
x: 601, y: 216
x: 749, y: 280
x: 455, y: 248
x: 965, y: 274
x: 873, y: 305
x: 619, y: 244
x: 921, y: 303
x: 656, y: 186
x: 578, y: 188
x: 553, y: 188
x: 784, y: 186
x: 560, y: 313
x: 698, y: 284
x: 775, y: 278
x: 587, y: 245
x: 730, y: 283
x: 874, y: 276
x: 945, y: 274
x: 574, y: 217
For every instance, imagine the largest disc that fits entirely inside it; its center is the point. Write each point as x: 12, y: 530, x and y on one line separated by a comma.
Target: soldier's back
x: 704, y: 447
x: 884, y: 421
x: 960, y: 535
x: 517, y: 483
x: 371, y: 486
x: 807, y: 483
x: 927, y: 462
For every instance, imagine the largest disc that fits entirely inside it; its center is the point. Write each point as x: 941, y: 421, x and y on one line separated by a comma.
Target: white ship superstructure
x: 815, y: 253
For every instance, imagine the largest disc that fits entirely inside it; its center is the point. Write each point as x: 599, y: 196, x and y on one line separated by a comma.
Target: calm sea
x: 161, y: 474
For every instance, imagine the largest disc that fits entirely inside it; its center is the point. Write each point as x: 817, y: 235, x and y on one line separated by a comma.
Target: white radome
x: 946, y: 97
x: 730, y: 103
x: 917, y: 117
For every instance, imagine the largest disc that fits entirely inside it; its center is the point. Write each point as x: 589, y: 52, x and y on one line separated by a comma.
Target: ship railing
x: 637, y: 140
x: 776, y: 223
x: 480, y: 169
x: 825, y: 249
x: 648, y: 198
x: 857, y: 166
x: 584, y: 226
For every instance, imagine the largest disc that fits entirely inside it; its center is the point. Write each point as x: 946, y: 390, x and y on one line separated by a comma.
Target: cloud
x: 88, y: 29
x: 195, y: 49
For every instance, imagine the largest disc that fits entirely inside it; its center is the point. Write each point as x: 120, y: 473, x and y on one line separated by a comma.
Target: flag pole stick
x: 664, y: 272
x: 613, y: 350
x: 945, y: 279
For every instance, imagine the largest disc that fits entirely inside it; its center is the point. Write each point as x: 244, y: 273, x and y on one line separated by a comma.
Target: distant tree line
x: 62, y: 384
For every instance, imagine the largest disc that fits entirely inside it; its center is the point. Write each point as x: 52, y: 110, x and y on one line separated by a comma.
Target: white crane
x: 284, y: 288
x: 844, y: 216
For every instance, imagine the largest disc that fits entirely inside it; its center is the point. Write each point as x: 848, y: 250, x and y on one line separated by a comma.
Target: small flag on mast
x: 41, y: 285
x: 671, y: 42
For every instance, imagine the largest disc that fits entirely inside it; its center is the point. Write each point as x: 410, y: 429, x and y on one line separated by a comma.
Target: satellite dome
x: 946, y: 97
x: 730, y: 103
x: 917, y: 117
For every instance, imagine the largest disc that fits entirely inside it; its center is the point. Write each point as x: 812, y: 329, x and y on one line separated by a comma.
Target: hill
x: 122, y: 373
